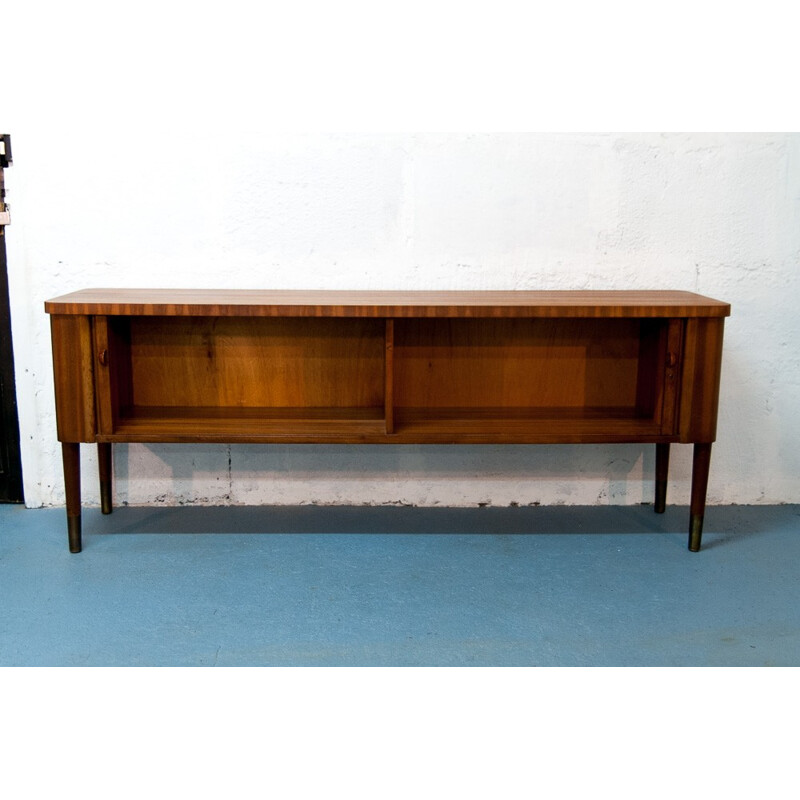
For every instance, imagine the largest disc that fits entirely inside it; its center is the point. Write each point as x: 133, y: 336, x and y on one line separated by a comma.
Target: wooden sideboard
x: 158, y: 365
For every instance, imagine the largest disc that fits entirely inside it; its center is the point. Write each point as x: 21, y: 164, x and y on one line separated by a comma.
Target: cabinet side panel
x: 72, y: 373
x: 702, y: 365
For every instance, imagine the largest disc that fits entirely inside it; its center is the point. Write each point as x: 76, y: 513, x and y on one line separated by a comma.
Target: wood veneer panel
x: 176, y: 424
x: 672, y: 376
x: 250, y: 303
x: 389, y: 385
x: 74, y: 382
x: 700, y: 379
x: 521, y: 363
x: 237, y: 363
x: 106, y: 407
x: 545, y: 425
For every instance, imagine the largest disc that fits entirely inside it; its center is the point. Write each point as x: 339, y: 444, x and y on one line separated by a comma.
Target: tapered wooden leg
x: 71, y: 455
x: 700, y: 465
x: 662, y: 470
x: 104, y: 462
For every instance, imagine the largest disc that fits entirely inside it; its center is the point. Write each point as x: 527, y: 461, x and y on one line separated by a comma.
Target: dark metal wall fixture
x: 10, y: 463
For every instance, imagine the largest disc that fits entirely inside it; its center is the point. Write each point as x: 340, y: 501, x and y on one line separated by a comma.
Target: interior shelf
x: 180, y: 423
x: 542, y: 423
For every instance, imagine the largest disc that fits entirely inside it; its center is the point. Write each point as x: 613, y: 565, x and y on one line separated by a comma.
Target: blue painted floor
x: 332, y: 586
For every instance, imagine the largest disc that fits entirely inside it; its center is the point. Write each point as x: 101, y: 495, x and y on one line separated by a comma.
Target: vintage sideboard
x: 158, y: 365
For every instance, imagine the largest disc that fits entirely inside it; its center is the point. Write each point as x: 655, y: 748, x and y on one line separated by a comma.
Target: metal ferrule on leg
x: 74, y: 534
x: 105, y: 497
x: 695, y: 532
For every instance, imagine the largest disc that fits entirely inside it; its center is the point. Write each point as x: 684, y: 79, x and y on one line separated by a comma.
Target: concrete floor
x: 332, y: 586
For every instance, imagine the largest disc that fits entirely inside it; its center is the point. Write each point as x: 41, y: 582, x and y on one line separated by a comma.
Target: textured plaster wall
x: 712, y: 213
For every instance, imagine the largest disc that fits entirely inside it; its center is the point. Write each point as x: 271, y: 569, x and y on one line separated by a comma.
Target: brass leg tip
x: 105, y: 497
x: 695, y: 534
x: 74, y: 534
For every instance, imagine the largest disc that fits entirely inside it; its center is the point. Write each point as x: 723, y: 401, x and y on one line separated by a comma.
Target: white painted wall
x: 712, y: 213
x: 117, y: 183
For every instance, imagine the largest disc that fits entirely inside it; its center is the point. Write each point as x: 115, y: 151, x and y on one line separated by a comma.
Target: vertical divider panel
x: 388, y: 397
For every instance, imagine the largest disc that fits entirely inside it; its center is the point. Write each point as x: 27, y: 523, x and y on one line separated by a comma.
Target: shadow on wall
x: 348, y: 474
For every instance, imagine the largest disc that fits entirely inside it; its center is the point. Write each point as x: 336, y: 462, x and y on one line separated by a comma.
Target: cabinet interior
x: 422, y: 379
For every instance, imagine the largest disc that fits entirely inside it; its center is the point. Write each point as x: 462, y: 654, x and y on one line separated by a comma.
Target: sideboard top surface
x: 323, y: 303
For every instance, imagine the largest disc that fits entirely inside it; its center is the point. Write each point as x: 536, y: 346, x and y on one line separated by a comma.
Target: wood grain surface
x: 256, y: 303
x: 563, y: 363
x: 73, y: 376
x: 364, y: 426
x: 229, y: 362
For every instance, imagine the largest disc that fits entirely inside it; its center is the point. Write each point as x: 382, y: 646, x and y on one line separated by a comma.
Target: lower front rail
x: 72, y: 484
